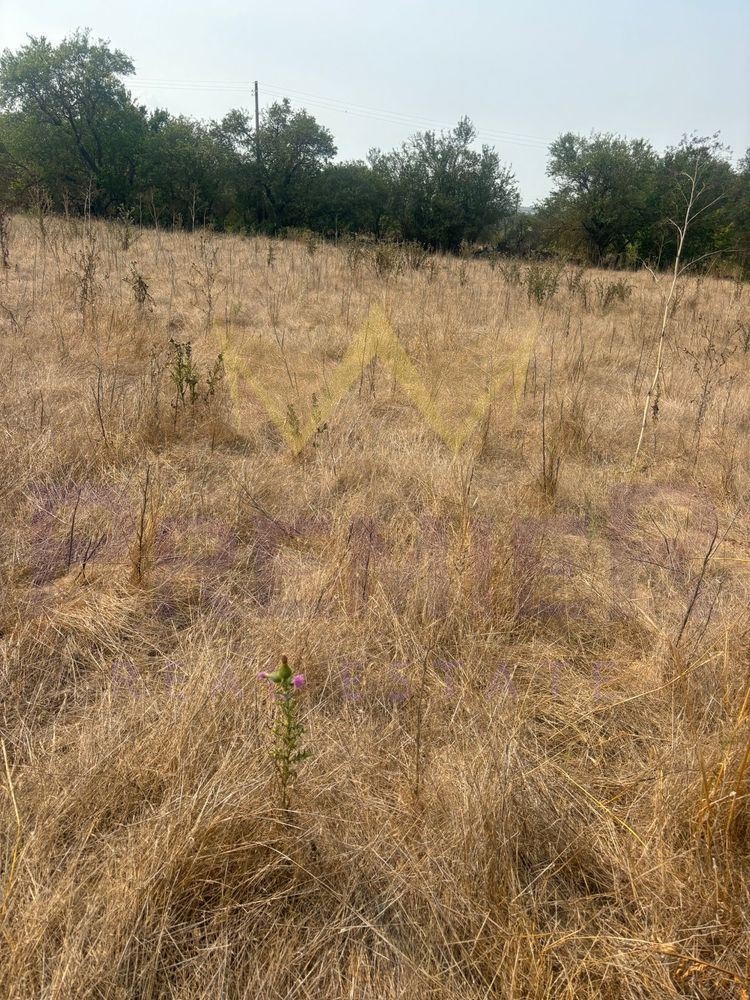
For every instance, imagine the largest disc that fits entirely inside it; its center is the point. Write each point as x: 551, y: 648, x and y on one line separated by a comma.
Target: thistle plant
x: 288, y: 731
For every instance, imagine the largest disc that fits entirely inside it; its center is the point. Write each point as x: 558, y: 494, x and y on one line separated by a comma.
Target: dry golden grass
x: 528, y: 697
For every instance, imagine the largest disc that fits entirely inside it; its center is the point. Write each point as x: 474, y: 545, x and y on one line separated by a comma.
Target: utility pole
x: 261, y: 200
x: 257, y: 125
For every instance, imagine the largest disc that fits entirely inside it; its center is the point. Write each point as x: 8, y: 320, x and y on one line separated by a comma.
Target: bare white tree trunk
x: 691, y: 199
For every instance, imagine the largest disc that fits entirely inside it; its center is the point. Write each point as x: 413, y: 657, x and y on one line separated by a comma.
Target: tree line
x: 73, y: 138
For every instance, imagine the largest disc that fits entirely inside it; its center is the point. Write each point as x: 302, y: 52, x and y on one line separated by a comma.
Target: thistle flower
x: 298, y: 681
x: 282, y: 675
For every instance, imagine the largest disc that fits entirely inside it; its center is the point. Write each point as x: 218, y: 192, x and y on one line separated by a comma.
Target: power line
x: 340, y: 107
x: 331, y: 104
x: 400, y: 118
x: 398, y: 114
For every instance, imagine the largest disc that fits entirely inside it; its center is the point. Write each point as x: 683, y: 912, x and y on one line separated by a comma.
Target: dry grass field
x: 527, y: 698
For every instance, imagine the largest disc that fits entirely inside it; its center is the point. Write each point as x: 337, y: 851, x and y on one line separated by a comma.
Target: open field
x: 528, y: 676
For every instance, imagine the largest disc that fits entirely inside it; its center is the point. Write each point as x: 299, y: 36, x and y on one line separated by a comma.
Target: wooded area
x: 73, y: 138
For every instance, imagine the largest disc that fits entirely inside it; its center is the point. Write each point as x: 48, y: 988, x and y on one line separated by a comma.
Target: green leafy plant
x: 610, y: 292
x: 387, y: 259
x: 214, y: 378
x: 197, y: 390
x: 541, y: 282
x: 288, y: 731
x: 87, y: 262
x: 183, y: 372
x: 139, y: 286
x: 125, y: 218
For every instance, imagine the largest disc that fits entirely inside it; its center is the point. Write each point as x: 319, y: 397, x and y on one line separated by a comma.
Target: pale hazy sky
x: 376, y: 72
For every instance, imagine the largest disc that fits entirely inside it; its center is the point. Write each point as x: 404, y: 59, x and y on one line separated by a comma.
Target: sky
x: 376, y: 72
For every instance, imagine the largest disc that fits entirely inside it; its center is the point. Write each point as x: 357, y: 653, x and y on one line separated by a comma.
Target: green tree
x: 712, y: 231
x: 740, y: 202
x: 347, y: 198
x: 294, y: 148
x: 275, y: 171
x: 605, y: 199
x: 442, y: 191
x: 185, y: 173
x: 69, y: 121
